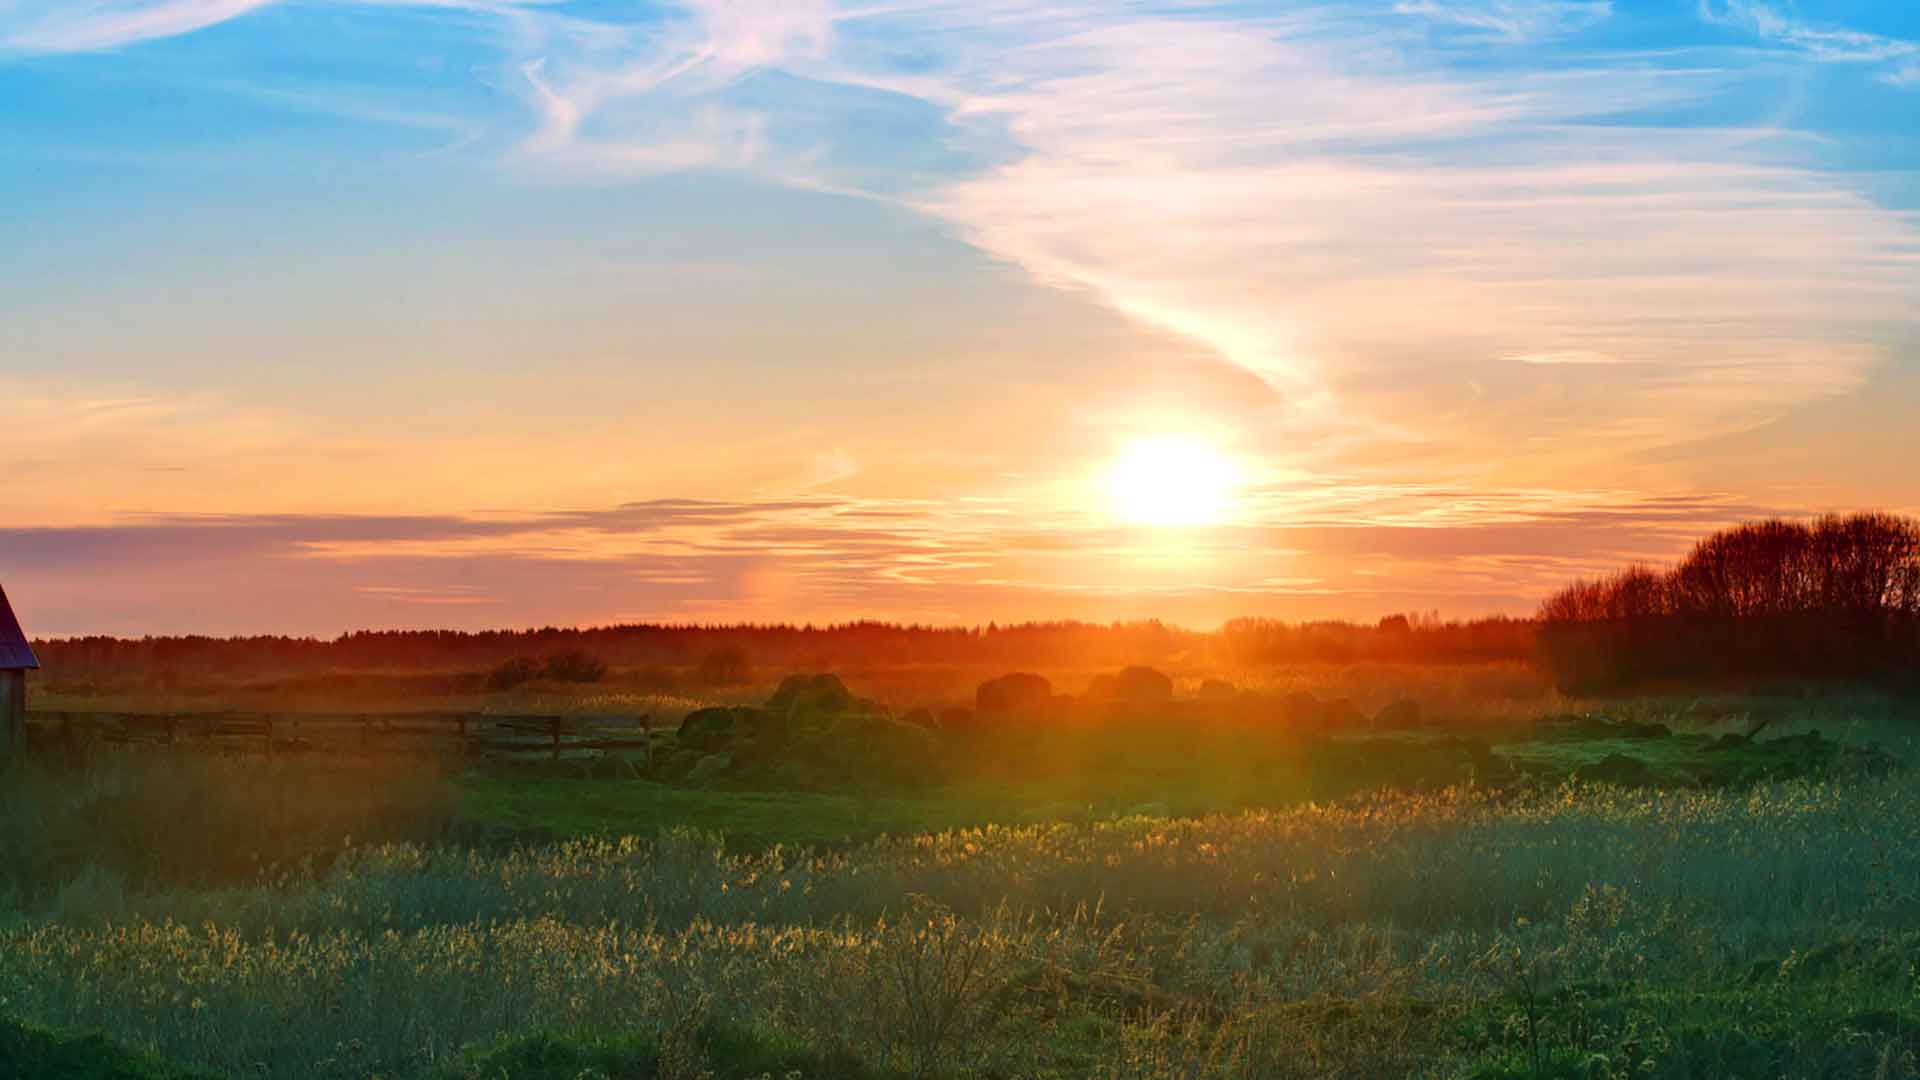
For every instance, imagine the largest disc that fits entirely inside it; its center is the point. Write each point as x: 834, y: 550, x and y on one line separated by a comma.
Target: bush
x: 715, y: 726
x: 34, y: 1052
x: 513, y: 673
x: 725, y: 667
x: 879, y: 751
x: 576, y: 666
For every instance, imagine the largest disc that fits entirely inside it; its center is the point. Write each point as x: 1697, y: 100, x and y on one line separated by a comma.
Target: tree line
x: 1834, y: 597
x: 727, y: 653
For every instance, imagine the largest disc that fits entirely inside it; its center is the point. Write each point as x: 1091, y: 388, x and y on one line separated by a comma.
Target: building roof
x: 15, y: 652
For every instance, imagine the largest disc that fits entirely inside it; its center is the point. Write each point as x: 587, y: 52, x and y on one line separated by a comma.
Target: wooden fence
x: 462, y: 733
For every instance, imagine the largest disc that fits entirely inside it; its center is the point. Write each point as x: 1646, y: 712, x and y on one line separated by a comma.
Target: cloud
x: 1565, y: 356
x: 1374, y: 226
x: 1371, y: 229
x: 1825, y: 44
x: 1415, y: 256
x: 91, y: 25
x: 50, y: 422
x: 69, y: 26
x: 1336, y: 547
x: 1365, y: 240
x: 1513, y: 21
x: 649, y: 97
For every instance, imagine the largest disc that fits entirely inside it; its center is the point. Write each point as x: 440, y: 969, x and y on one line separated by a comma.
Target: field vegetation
x: 1481, y: 896
x: 1400, y: 850
x: 1577, y: 930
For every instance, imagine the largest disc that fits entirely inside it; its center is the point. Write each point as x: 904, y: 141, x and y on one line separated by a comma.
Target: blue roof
x: 15, y: 652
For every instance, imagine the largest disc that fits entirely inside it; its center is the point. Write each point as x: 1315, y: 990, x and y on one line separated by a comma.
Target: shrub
x: 877, y: 750
x: 513, y: 673
x: 34, y: 1052
x: 725, y: 667
x: 713, y: 727
x: 942, y: 980
x: 576, y: 666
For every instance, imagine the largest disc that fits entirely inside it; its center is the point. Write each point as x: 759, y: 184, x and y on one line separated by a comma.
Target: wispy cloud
x: 1370, y: 230
x: 1828, y: 44
x: 1413, y: 255
x: 1333, y: 548
x: 1907, y: 74
x: 1514, y: 21
x: 89, y: 25
x: 51, y: 426
x: 68, y: 26
x: 1373, y: 228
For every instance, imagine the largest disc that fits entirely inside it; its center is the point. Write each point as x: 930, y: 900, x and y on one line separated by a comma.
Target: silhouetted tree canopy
x: 704, y: 652
x: 1836, y: 597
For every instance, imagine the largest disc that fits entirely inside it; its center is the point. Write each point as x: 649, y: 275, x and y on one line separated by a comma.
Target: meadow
x: 1505, y: 882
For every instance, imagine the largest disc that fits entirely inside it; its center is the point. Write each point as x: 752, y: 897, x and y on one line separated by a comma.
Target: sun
x: 1172, y: 480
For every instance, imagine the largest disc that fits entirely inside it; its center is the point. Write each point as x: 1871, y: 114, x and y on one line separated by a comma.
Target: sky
x: 319, y: 315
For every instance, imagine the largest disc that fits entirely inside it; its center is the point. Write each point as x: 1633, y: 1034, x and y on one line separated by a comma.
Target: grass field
x: 1494, y: 894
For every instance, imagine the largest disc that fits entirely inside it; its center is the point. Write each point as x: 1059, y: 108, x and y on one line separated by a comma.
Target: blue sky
x: 1464, y: 267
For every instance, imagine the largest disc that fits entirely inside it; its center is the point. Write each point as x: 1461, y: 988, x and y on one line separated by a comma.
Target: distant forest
x: 1833, y: 598
x: 725, y: 651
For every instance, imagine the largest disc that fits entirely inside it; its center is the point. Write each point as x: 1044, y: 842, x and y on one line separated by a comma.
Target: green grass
x: 1204, y: 904
x: 564, y: 807
x: 1441, y: 935
x: 558, y: 807
x: 1082, y: 777
x: 1830, y: 1027
x: 1683, y: 759
x: 33, y: 1053
x: 720, y: 1051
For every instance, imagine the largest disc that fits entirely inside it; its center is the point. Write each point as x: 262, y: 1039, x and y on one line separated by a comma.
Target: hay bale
x: 1013, y: 693
x: 1143, y: 686
x: 822, y: 694
x: 1218, y: 690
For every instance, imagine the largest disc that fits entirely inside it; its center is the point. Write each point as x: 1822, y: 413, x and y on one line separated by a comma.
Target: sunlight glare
x: 1172, y: 480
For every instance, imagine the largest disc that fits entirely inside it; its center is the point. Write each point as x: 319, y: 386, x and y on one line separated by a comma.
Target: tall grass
x: 1435, y: 934
x: 143, y: 821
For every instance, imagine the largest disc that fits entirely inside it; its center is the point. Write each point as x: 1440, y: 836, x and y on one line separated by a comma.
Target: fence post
x: 556, y: 739
x: 269, y: 723
x: 171, y: 722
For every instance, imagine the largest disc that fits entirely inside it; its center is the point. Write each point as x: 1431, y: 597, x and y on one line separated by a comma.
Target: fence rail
x: 465, y: 733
